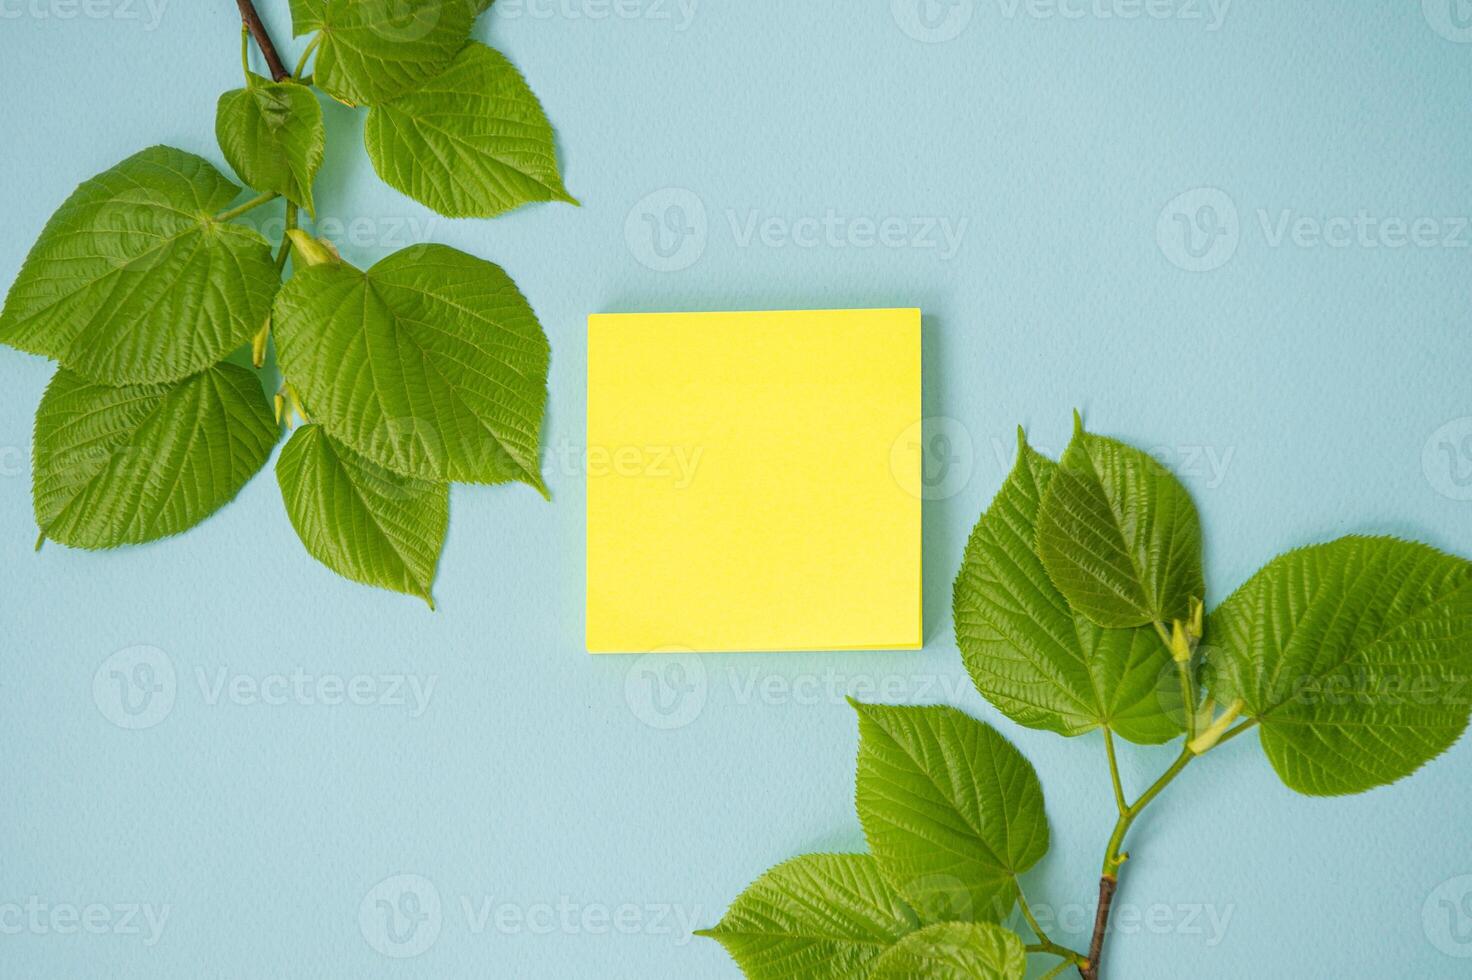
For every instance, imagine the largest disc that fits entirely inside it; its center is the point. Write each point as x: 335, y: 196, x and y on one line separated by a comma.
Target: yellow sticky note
x: 754, y: 481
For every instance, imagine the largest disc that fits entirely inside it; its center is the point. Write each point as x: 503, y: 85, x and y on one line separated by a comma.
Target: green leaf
x: 1030, y: 654
x: 133, y: 280
x: 819, y: 917
x: 470, y: 143
x: 1354, y: 658
x: 307, y: 16
x: 431, y: 363
x: 119, y: 466
x: 362, y: 521
x: 272, y: 134
x: 955, y: 951
x: 952, y: 812
x: 1119, y: 535
x: 376, y: 50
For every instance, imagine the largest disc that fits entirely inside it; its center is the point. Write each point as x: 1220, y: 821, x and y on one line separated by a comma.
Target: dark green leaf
x: 1119, y: 535
x: 955, y: 951
x: 1030, y: 654
x: 362, y: 521
x: 376, y: 50
x: 430, y: 364
x: 134, y: 281
x: 306, y: 16
x: 272, y: 135
x: 472, y: 142
x: 952, y: 812
x: 819, y: 917
x: 1354, y: 658
x: 126, y: 465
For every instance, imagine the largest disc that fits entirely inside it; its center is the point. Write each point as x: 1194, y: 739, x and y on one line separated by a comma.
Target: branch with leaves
x: 426, y: 369
x: 1079, y: 608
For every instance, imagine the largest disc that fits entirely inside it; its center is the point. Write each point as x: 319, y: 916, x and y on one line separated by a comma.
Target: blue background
x: 1317, y: 378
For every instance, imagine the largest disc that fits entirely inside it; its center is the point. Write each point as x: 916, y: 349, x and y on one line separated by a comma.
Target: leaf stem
x: 1188, y: 698
x: 1057, y: 970
x: 1114, y: 857
x: 1245, y: 726
x: 1032, y: 921
x: 1211, y: 735
x: 301, y: 64
x: 1070, y: 957
x: 252, y: 21
x: 1183, y: 670
x: 1045, y: 944
x: 245, y: 55
x: 281, y: 256
x: 1119, y: 800
x: 250, y: 205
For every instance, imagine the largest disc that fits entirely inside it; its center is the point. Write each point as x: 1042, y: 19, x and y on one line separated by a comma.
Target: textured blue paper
x: 576, y: 816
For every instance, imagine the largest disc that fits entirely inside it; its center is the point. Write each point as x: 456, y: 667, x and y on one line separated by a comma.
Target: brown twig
x: 263, y: 39
x: 1107, y: 887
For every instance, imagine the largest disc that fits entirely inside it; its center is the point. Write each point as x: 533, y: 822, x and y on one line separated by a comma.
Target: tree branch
x: 263, y: 40
x: 1115, y: 856
x: 1107, y: 887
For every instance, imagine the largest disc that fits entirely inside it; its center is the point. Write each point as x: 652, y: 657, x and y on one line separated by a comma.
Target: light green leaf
x: 119, y: 466
x: 952, y: 812
x: 134, y: 281
x: 376, y: 50
x: 272, y: 134
x: 431, y: 364
x: 1119, y: 535
x: 1353, y: 656
x: 819, y: 917
x: 472, y: 142
x: 1030, y: 654
x: 306, y: 16
x: 362, y: 521
x: 955, y: 951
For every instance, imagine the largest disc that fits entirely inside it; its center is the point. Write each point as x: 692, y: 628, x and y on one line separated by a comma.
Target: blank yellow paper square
x: 753, y: 481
